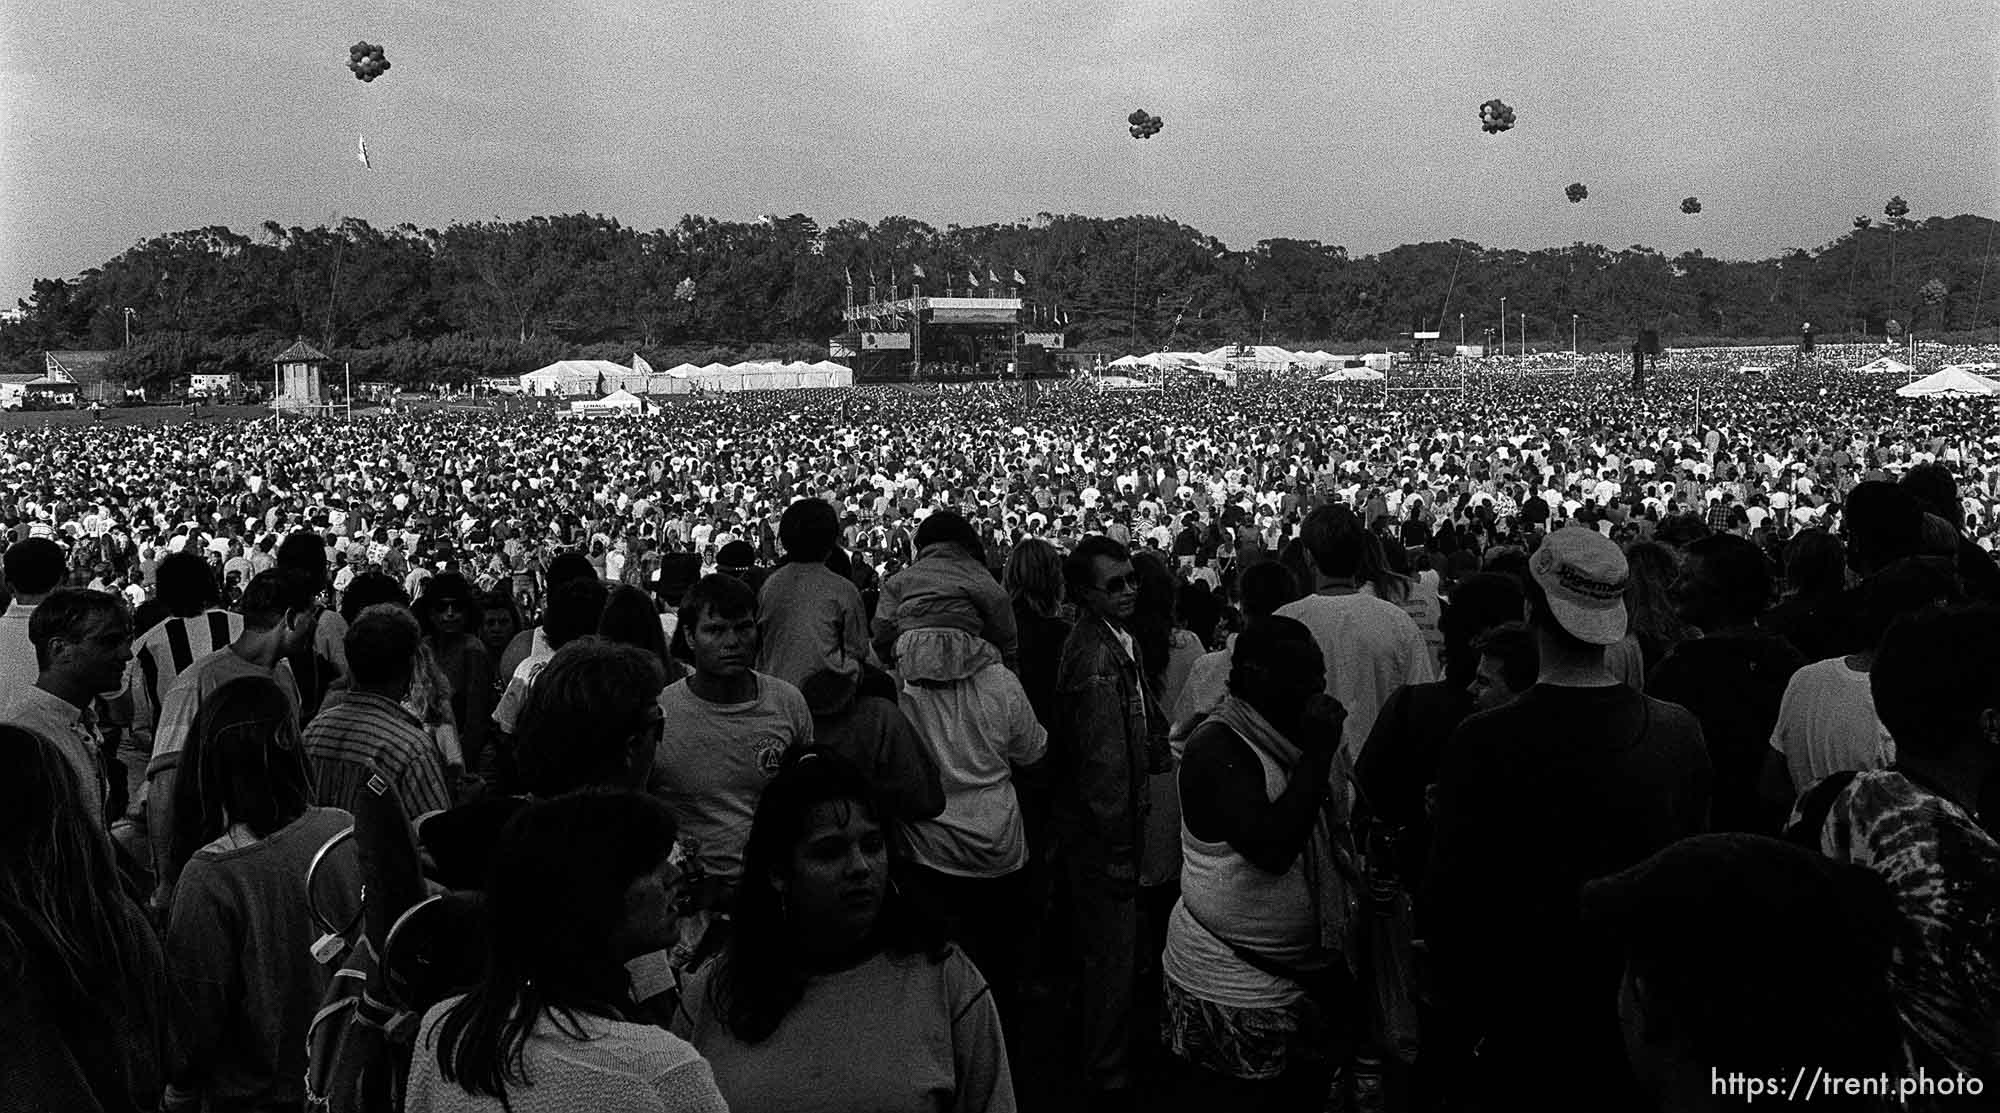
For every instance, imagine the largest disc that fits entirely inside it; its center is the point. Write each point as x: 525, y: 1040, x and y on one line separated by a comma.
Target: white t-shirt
x: 976, y: 729
x: 1827, y: 724
x: 714, y: 760
x: 1371, y: 648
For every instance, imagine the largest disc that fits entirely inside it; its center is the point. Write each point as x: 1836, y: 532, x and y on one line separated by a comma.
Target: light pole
x: 1523, y: 339
x: 1503, y: 326
x: 128, y: 326
x: 1461, y: 330
x: 1572, y: 334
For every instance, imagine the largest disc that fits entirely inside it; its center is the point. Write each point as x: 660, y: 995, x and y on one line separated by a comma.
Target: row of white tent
x: 1225, y: 362
x: 602, y: 378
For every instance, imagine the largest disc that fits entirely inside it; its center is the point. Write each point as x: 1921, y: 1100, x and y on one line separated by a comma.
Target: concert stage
x: 948, y: 339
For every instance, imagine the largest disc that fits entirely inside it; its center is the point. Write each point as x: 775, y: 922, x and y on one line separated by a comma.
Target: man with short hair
x: 82, y: 639
x: 1732, y: 676
x: 1371, y: 646
x: 1112, y: 736
x: 369, y: 732
x: 729, y: 727
x: 195, y: 626
x: 1578, y: 777
x: 278, y: 619
x: 34, y: 567
x: 1508, y: 665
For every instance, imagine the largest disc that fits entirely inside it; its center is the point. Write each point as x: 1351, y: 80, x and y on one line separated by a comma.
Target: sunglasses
x: 1118, y: 585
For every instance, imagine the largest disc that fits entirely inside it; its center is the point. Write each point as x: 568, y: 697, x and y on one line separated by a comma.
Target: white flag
x: 362, y: 154
x: 640, y: 366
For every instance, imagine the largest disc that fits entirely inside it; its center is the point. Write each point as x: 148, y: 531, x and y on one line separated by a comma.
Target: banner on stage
x: 1045, y: 339
x: 885, y: 341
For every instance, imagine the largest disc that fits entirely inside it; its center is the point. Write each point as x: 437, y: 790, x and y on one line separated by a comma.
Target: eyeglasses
x: 1118, y: 585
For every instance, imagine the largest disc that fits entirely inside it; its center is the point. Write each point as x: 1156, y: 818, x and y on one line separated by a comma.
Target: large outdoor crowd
x: 1493, y: 741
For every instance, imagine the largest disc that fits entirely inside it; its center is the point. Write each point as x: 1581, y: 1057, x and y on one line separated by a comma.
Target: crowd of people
x: 1490, y: 742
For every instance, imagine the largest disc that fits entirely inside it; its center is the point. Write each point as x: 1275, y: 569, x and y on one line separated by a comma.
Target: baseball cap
x: 1583, y: 573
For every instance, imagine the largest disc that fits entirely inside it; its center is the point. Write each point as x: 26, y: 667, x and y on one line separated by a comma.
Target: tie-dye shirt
x: 1945, y: 871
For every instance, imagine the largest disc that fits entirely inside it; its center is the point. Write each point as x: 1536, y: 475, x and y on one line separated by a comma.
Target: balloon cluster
x: 1863, y: 222
x: 1690, y: 205
x: 1495, y: 116
x: 1143, y: 124
x: 367, y: 61
x: 1577, y: 191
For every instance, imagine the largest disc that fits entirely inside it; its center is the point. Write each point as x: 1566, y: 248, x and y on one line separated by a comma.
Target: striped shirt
x: 163, y: 653
x: 366, y: 735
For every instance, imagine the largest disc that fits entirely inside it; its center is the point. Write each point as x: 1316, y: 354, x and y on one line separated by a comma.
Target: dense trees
x: 498, y: 297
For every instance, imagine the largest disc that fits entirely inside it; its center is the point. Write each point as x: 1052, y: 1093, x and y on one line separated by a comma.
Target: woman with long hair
x: 580, y: 886
x: 630, y: 618
x: 832, y: 994
x: 240, y: 940
x: 1653, y: 615
x: 84, y: 1019
x: 1385, y: 575
x: 450, y: 616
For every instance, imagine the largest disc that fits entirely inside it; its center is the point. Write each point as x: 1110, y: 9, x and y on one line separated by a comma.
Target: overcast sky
x: 1354, y: 123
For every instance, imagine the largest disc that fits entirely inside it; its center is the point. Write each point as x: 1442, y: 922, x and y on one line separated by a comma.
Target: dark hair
x: 580, y: 714
x: 499, y: 602
x: 1513, y: 645
x: 265, y: 600
x: 566, y: 566
x: 1293, y: 558
x: 443, y: 587
x: 1266, y: 586
x: 1152, y: 621
x: 35, y: 566
x: 1033, y: 576
x: 68, y: 613
x: 1335, y: 539
x: 1905, y: 587
x: 62, y: 904
x: 556, y: 901
x: 1266, y: 642
x: 574, y: 609
x: 1936, y: 492
x: 1936, y: 671
x: 369, y: 589
x: 304, y: 551
x: 718, y: 594
x: 809, y: 529
x: 758, y: 978
x: 1480, y: 602
x: 186, y: 585
x: 630, y: 618
x: 1757, y: 954
x: 245, y: 760
x: 1881, y: 522
x: 1735, y: 567
x: 1080, y: 567
x: 1650, y: 610
x: 948, y: 527
x: 1815, y: 564
x: 382, y: 645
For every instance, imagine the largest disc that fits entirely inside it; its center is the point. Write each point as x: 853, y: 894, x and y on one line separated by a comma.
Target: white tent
x: 1951, y: 382
x: 1886, y: 365
x: 1352, y: 375
x: 569, y: 377
x: 1123, y: 382
x: 1985, y: 369
x: 618, y: 401
x: 1126, y: 361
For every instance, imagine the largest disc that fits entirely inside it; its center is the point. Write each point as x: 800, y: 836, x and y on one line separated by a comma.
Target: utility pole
x: 128, y: 326
x: 1503, y: 326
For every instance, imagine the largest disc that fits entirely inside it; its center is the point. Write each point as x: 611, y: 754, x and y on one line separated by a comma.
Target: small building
x: 93, y: 372
x: 298, y: 378
x: 51, y: 393
x: 14, y: 390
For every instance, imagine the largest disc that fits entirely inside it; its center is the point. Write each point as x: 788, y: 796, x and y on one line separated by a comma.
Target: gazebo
x: 295, y: 378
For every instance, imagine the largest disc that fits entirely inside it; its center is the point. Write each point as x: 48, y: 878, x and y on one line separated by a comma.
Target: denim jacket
x: 1112, y: 734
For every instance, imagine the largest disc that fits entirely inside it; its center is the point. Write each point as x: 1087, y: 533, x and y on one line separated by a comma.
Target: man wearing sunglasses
x: 1112, y: 735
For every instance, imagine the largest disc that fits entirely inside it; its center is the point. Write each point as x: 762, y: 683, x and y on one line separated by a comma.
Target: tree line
x: 410, y: 304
